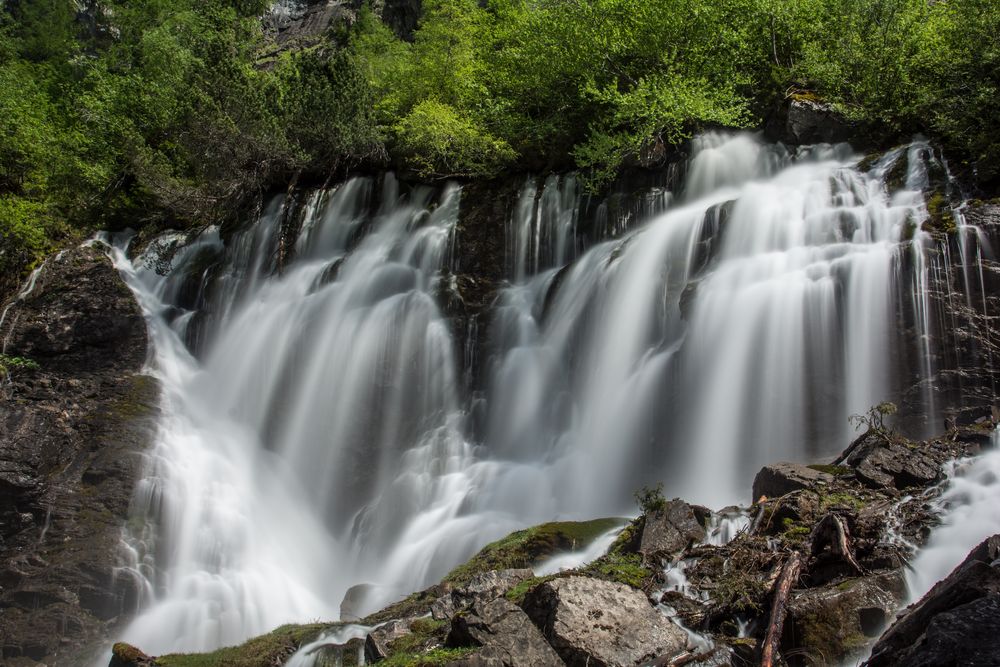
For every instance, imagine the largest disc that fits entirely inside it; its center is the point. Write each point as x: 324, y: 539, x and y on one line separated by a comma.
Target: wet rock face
x: 601, y: 623
x: 956, y: 623
x: 72, y: 427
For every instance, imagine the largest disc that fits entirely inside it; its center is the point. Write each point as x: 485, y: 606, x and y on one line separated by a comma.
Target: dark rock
x: 378, y: 640
x: 71, y: 432
x: 831, y: 624
x: 811, y: 122
x: 670, y: 530
x: 506, y: 634
x: 955, y: 623
x: 483, y: 587
x: 880, y: 461
x: 778, y: 479
x: 597, y: 623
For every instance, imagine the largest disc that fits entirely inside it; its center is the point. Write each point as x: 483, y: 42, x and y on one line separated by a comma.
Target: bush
x: 436, y: 142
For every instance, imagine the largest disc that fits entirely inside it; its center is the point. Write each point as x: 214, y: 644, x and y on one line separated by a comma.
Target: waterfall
x: 315, y: 429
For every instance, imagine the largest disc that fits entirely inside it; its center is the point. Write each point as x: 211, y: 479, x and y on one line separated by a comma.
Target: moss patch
x: 623, y: 568
x: 434, y: 657
x: 528, y: 547
x: 264, y: 651
x: 941, y: 219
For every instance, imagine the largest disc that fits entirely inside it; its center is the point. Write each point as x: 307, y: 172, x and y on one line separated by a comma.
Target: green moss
x: 517, y: 593
x: 836, y: 471
x: 526, y: 548
x: 425, y: 633
x: 434, y: 657
x: 264, y: 651
x: 628, y: 540
x: 941, y: 218
x: 847, y: 500
x: 623, y: 568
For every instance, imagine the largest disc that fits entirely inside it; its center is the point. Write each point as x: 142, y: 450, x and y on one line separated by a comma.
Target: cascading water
x: 318, y: 439
x: 318, y: 435
x: 743, y: 325
x: 970, y: 507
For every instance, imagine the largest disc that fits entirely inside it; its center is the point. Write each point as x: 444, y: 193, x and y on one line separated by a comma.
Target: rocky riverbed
x: 812, y: 572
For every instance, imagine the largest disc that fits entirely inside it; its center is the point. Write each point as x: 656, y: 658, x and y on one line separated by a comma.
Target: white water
x: 574, y: 559
x: 320, y: 439
x: 970, y: 508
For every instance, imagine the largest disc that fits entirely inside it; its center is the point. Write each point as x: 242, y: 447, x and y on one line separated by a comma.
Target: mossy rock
x: 527, y: 548
x: 941, y: 220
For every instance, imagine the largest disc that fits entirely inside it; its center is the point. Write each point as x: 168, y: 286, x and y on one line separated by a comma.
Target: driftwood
x: 789, y: 575
x: 832, y: 532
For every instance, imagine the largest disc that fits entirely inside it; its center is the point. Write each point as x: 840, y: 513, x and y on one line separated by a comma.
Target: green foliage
x: 9, y: 364
x: 650, y: 499
x: 435, y: 141
x: 153, y: 113
x: 874, y: 419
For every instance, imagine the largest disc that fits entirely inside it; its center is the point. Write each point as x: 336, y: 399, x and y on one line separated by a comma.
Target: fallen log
x: 789, y: 575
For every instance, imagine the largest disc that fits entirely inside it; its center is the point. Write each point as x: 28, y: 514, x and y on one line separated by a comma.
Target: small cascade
x: 575, y: 559
x: 970, y: 513
x: 541, y: 233
x: 332, y: 647
x: 723, y: 527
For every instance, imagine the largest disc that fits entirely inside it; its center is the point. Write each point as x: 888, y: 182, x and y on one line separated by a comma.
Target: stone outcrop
x: 484, y: 586
x: 777, y: 479
x: 601, y: 623
x: 671, y: 529
x: 956, y: 623
x: 506, y: 634
x: 75, y: 415
x: 888, y: 463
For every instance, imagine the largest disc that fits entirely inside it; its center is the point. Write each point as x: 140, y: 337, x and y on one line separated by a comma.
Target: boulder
x: 126, y: 655
x: 954, y: 620
x: 671, y: 529
x: 601, y: 623
x: 505, y: 632
x: 833, y: 623
x: 880, y: 462
x: 378, y: 640
x: 778, y: 479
